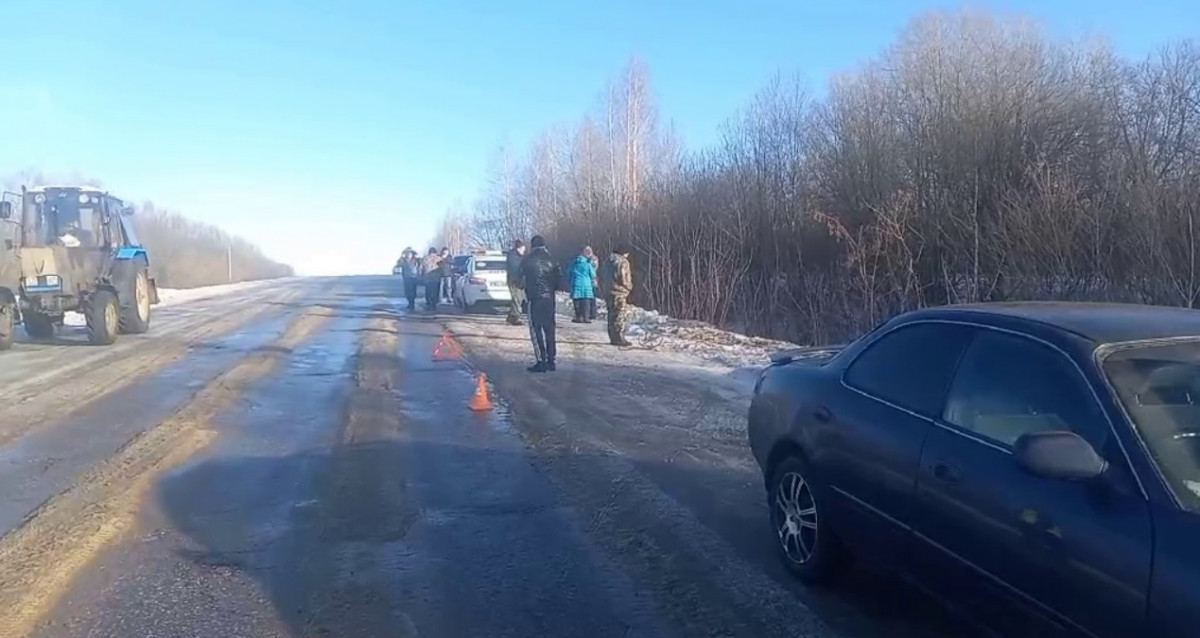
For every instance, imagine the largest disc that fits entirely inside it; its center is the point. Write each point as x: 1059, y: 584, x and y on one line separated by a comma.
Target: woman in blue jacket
x: 583, y: 287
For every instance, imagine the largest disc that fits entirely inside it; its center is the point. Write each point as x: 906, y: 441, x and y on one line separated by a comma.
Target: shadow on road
x: 461, y: 541
x: 593, y: 502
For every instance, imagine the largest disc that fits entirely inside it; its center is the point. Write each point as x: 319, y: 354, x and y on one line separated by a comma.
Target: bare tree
x: 973, y: 159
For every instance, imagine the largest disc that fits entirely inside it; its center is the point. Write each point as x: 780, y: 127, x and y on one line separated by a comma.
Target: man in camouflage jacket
x: 616, y: 281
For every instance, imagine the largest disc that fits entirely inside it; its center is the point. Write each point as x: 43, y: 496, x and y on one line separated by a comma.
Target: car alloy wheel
x: 794, y: 515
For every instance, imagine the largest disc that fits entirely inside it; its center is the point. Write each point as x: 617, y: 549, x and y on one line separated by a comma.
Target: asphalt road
x: 291, y: 461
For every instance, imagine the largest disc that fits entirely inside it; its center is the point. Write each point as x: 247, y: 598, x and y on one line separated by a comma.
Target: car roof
x: 1100, y: 323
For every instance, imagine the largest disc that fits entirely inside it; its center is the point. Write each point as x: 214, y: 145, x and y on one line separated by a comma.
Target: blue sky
x: 334, y: 133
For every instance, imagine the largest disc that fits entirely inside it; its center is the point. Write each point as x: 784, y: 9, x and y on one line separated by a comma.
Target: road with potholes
x: 291, y: 461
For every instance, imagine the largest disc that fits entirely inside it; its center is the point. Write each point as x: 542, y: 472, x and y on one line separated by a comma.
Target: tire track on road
x: 346, y: 546
x: 40, y: 559
x: 51, y: 395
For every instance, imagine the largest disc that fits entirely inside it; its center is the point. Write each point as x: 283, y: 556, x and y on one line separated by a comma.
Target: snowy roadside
x: 638, y: 387
x: 740, y: 357
x: 175, y: 296
x: 685, y: 370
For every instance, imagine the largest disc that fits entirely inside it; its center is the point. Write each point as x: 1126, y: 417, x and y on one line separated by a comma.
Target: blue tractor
x: 78, y: 252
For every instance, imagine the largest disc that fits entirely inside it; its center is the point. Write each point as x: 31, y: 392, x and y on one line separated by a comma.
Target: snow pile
x: 703, y: 340
x: 651, y: 329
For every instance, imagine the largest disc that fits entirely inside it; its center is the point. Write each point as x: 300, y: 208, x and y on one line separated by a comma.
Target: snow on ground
x: 174, y: 296
x: 659, y: 342
x: 714, y: 347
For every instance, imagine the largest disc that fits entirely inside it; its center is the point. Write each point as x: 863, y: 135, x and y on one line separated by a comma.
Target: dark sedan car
x: 1036, y: 465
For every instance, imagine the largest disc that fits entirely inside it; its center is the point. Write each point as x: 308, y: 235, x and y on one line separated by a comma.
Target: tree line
x: 973, y: 159
x: 184, y: 253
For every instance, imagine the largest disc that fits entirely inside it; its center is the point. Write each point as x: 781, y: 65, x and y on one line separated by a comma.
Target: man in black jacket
x: 541, y: 278
x: 512, y: 264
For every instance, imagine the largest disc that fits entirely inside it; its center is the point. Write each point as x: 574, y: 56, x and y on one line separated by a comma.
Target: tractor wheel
x: 133, y: 280
x: 8, y: 322
x: 38, y: 326
x: 103, y: 318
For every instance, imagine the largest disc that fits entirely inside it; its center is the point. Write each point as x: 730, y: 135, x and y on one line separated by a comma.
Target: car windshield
x: 1159, y: 385
x: 61, y: 214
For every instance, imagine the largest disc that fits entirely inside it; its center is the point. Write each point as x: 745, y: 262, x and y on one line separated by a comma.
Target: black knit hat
x: 537, y: 241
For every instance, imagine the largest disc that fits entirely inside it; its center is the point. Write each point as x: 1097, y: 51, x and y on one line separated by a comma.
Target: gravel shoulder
x: 649, y: 447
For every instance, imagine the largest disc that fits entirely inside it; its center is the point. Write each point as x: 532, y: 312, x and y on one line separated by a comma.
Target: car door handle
x: 943, y: 471
x: 822, y: 414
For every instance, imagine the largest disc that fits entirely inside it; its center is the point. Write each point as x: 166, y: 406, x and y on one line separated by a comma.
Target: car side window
x: 1007, y: 386
x: 911, y: 366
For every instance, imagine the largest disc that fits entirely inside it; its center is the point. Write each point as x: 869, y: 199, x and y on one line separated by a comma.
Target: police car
x: 483, y: 281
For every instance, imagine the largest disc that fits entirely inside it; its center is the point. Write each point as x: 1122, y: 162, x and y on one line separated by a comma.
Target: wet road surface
x: 292, y: 462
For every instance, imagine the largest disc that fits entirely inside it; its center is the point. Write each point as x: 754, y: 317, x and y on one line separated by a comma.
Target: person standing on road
x: 541, y: 278
x: 513, y: 267
x: 583, y: 287
x: 431, y: 271
x: 617, y: 282
x: 591, y: 255
x: 410, y: 268
x: 446, y: 270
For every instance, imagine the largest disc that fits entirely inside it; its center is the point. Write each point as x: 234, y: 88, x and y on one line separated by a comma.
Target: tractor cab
x: 73, y: 217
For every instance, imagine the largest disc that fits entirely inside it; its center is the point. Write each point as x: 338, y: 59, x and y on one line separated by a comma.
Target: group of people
x: 535, y: 278
x: 435, y: 270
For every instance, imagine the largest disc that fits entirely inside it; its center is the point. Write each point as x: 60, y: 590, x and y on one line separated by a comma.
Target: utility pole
x: 229, y: 260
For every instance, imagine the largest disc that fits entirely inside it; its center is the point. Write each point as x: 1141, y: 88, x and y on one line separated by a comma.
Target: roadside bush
x: 973, y: 159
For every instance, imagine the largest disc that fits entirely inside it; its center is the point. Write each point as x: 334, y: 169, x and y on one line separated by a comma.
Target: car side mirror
x: 127, y: 211
x: 5, y: 210
x: 1058, y: 455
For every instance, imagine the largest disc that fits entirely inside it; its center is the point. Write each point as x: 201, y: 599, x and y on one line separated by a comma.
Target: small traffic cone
x: 481, y: 401
x: 447, y: 348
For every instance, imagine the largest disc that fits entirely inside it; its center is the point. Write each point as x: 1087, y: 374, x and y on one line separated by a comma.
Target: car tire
x: 804, y: 538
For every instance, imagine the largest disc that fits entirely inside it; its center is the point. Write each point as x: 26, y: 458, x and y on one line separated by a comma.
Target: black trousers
x: 585, y: 309
x: 541, y: 329
x: 432, y: 291
x: 410, y: 291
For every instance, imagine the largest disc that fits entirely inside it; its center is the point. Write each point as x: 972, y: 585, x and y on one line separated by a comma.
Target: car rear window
x: 494, y: 265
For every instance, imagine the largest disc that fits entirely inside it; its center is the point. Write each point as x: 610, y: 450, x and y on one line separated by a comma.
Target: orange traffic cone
x: 447, y: 348
x: 481, y: 402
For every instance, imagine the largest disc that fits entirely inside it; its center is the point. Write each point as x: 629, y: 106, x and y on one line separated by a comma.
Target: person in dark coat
x: 541, y: 278
x: 410, y: 268
x: 583, y: 287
